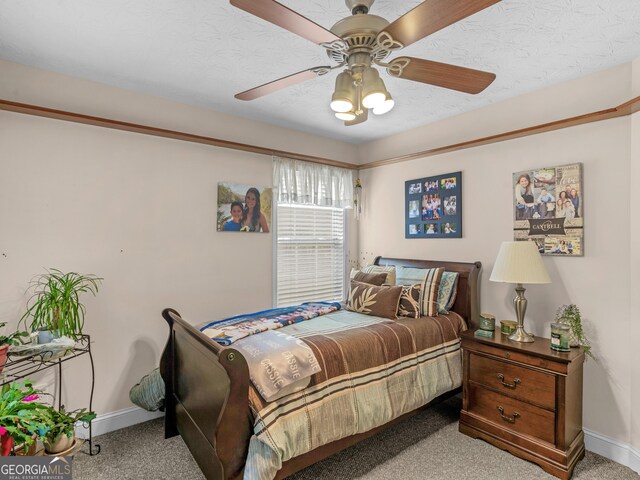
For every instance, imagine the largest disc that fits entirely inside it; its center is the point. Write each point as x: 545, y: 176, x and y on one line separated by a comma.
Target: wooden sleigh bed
x: 207, y: 388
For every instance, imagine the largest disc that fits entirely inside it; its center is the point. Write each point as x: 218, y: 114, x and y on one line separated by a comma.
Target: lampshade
x: 343, y: 97
x: 519, y: 262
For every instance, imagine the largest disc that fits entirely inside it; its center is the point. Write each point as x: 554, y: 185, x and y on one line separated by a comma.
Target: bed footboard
x: 206, y: 399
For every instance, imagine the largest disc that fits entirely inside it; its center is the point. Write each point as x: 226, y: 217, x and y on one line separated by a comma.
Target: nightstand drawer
x: 512, y: 414
x: 524, y: 383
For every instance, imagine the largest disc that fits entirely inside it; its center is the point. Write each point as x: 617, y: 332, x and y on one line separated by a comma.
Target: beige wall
x: 634, y: 278
x: 20, y: 83
x: 138, y: 211
x: 634, y: 310
x: 602, y: 90
x: 598, y: 282
x: 134, y: 209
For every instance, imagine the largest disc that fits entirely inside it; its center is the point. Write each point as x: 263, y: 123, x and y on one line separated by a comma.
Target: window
x: 310, y: 254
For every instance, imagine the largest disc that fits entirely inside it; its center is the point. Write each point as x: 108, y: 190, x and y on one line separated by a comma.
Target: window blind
x: 310, y: 254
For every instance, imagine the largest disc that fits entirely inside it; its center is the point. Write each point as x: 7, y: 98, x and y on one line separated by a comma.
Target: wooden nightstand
x: 524, y: 398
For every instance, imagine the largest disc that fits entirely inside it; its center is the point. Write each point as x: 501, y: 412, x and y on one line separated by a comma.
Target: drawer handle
x: 511, y: 419
x: 515, y: 383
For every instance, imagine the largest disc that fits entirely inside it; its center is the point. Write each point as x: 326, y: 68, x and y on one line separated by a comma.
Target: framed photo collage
x: 433, y: 207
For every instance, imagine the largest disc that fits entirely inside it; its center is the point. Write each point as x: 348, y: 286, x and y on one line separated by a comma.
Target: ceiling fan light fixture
x: 385, y: 106
x: 343, y: 97
x: 373, y: 89
x: 341, y: 105
x: 346, y: 116
x: 361, y: 40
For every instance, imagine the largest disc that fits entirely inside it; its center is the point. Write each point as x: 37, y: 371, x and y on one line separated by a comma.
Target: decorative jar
x: 560, y: 337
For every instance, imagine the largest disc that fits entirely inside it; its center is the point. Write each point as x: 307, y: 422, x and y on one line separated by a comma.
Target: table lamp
x: 519, y: 262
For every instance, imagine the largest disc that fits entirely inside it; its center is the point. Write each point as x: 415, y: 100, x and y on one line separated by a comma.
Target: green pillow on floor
x: 149, y: 392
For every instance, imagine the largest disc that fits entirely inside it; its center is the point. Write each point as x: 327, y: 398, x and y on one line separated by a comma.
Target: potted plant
x: 55, y: 304
x: 60, y: 432
x: 570, y: 315
x: 6, y: 342
x: 20, y: 415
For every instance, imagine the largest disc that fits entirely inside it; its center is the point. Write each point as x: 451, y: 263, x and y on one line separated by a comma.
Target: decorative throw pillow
x: 376, y: 279
x: 429, y: 279
x: 389, y: 270
x: 447, y: 291
x: 410, y: 301
x: 430, y: 291
x: 372, y: 300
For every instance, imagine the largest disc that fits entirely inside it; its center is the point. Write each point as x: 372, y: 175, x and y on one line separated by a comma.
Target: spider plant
x: 55, y: 303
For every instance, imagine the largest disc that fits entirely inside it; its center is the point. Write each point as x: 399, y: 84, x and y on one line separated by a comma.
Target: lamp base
x: 521, y: 336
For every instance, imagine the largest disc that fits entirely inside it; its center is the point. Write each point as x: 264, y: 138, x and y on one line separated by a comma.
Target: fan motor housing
x: 359, y: 32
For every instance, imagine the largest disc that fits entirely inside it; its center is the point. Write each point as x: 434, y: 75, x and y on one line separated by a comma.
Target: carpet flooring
x: 427, y: 446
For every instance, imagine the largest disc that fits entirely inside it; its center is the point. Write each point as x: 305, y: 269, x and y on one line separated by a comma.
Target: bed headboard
x: 467, y: 302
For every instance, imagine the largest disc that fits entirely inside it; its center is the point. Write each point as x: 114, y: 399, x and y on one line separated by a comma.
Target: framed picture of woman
x: 243, y: 208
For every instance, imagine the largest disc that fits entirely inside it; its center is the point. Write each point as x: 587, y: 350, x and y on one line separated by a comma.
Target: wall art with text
x: 548, y: 209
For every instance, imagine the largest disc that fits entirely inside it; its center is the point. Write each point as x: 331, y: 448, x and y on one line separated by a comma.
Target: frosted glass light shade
x: 373, y: 89
x: 385, y: 106
x: 346, y: 116
x: 519, y: 262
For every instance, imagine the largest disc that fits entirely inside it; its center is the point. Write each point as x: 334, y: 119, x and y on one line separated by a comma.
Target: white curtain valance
x: 308, y: 183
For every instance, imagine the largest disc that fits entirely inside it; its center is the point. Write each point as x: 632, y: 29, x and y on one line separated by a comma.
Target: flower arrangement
x: 20, y: 415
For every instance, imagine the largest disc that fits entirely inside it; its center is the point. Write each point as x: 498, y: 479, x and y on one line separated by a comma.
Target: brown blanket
x: 373, y: 370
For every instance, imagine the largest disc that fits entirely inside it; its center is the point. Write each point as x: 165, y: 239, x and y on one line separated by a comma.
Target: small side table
x: 524, y: 398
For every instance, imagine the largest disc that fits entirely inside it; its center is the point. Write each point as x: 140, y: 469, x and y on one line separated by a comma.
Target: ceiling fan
x: 362, y: 40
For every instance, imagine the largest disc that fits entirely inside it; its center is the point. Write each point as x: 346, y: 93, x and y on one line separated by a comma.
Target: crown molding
x: 39, y: 111
x: 624, y: 109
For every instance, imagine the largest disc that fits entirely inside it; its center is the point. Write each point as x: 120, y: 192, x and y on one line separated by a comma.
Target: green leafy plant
x: 12, y: 339
x: 20, y: 415
x: 55, y: 304
x: 570, y: 315
x: 60, y: 422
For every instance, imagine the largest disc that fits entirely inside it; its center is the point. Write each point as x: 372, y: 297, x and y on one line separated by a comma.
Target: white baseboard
x: 634, y: 460
x: 116, y: 420
x: 612, y: 449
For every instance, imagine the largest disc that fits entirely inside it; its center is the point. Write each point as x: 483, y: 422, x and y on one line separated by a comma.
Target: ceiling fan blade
x: 431, y: 16
x: 444, y: 75
x: 281, y: 83
x: 284, y: 17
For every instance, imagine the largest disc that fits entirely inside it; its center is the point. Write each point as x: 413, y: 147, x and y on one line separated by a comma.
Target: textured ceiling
x: 202, y: 52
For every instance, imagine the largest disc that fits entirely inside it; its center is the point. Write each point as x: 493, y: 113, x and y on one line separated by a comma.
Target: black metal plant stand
x: 22, y: 366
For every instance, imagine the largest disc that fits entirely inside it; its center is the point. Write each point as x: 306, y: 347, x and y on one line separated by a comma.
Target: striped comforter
x: 373, y: 370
